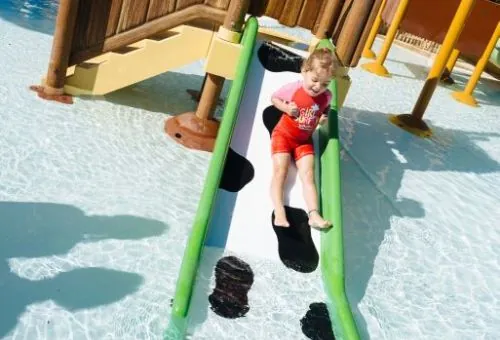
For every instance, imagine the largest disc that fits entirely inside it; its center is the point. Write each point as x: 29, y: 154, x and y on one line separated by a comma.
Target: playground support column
x: 198, y: 130
x: 332, y: 7
x: 352, y: 30
x: 413, y: 122
x: 367, y: 51
x: 53, y: 88
x: 446, y: 76
x: 466, y: 96
x: 377, y: 67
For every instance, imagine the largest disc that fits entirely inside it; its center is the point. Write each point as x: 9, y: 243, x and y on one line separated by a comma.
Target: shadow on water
x: 35, y: 15
x: 165, y: 93
x: 487, y: 91
x: 31, y: 230
x: 376, y: 155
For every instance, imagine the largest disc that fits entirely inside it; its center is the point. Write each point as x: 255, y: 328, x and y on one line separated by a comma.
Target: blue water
x: 37, y: 15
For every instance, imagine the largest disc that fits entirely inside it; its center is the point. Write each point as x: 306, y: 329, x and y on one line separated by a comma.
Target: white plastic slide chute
x: 242, y: 239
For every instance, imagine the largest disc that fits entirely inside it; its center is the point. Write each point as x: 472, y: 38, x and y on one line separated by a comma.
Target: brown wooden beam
x: 61, y: 46
x: 328, y: 17
x: 236, y: 15
x: 212, y: 88
x: 142, y: 32
x: 366, y: 31
x: 198, y: 130
x: 352, y: 30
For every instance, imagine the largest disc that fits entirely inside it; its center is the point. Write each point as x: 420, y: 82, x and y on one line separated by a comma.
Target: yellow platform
x: 151, y: 57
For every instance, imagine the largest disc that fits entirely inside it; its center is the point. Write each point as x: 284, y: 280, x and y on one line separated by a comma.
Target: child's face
x: 316, y: 80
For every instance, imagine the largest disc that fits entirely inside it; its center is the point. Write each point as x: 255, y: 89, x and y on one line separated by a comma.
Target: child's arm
x: 288, y: 107
x: 282, y: 98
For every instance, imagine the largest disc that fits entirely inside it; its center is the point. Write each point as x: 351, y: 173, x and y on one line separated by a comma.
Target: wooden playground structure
x: 100, y: 46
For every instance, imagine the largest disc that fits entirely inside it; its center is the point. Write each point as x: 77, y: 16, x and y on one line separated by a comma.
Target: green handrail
x: 196, y: 241
x: 332, y: 243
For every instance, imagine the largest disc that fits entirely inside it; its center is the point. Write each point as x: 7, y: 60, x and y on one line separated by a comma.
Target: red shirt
x: 310, y: 110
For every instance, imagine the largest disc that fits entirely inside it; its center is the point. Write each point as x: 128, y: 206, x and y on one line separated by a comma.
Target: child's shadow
x: 31, y: 230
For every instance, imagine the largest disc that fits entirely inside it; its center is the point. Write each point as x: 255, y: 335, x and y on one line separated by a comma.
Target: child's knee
x: 307, y: 175
x: 280, y: 171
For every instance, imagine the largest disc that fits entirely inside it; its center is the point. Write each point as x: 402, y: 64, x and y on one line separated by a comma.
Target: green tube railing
x: 196, y: 241
x: 332, y: 243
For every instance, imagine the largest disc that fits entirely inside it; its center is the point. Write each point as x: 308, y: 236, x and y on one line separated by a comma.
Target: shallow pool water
x: 97, y: 203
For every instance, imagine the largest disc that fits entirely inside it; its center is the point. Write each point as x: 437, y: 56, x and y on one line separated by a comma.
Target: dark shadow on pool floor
x: 372, y: 177
x: 165, y: 93
x: 31, y: 230
x: 487, y: 91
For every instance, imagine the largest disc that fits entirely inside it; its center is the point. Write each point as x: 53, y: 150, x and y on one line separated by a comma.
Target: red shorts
x: 282, y: 143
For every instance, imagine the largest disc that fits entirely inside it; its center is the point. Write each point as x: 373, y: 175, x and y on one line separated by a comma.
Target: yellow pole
x: 367, y: 50
x: 413, y: 122
x: 446, y: 76
x: 453, y: 60
x: 377, y: 67
x: 466, y: 96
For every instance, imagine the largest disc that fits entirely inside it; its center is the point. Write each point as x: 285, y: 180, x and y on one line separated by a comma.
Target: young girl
x: 305, y: 103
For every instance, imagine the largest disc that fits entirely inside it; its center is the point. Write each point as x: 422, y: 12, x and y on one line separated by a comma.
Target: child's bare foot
x: 316, y: 221
x: 280, y: 218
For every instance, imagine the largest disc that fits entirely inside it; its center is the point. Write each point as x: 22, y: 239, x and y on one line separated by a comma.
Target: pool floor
x: 97, y: 204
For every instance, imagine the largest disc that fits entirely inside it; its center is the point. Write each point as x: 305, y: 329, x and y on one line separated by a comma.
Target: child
x: 305, y: 103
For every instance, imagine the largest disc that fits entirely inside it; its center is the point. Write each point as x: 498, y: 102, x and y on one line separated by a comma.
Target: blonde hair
x: 326, y: 60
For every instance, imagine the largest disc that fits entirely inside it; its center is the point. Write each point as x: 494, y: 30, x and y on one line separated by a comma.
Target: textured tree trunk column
x: 53, y: 89
x: 198, y: 130
x: 332, y: 8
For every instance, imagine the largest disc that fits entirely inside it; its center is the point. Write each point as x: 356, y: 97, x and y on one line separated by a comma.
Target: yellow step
x: 139, y: 61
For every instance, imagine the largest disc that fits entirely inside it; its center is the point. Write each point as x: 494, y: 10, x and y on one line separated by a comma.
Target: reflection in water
x: 38, y: 15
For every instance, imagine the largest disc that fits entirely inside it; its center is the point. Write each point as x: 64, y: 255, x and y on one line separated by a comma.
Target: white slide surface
x: 241, y: 226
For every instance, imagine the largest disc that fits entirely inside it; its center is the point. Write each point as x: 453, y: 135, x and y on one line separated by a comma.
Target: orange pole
x: 466, y: 96
x: 453, y: 60
x: 413, y: 122
x: 446, y: 76
x: 377, y: 67
x: 367, y: 51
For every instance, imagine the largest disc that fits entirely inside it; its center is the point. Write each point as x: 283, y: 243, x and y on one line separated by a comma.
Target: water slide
x: 240, y: 274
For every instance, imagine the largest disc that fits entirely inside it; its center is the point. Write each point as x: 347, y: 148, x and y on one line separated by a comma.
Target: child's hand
x: 293, y: 110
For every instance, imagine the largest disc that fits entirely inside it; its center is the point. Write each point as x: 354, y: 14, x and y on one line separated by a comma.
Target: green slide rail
x: 196, y: 241
x: 332, y: 243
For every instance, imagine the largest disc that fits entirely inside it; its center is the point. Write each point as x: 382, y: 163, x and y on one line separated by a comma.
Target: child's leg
x: 305, y: 165
x: 281, y: 162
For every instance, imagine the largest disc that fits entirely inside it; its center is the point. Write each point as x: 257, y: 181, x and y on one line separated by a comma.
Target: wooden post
x: 366, y: 32
x: 466, y: 96
x: 377, y: 67
x: 326, y: 21
x: 198, y: 130
x: 367, y: 51
x: 352, y: 29
x: 413, y: 122
x: 53, y: 89
x: 329, y: 15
